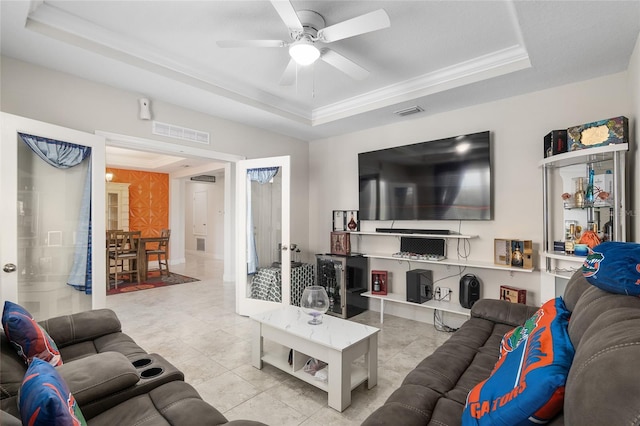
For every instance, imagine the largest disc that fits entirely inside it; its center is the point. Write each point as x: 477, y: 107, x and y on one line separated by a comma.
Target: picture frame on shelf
x: 340, y: 243
x: 513, y: 294
x: 379, y: 282
x: 514, y: 253
x: 345, y: 220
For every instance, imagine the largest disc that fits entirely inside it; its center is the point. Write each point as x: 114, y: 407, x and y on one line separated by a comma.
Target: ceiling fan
x: 306, y: 29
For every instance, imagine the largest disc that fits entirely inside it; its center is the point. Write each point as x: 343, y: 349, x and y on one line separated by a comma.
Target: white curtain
x: 261, y: 175
x: 64, y: 155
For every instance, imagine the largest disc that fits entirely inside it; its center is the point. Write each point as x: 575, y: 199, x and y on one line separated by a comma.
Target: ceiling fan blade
x: 345, y: 65
x: 288, y: 15
x: 366, y: 23
x: 251, y: 43
x: 289, y: 74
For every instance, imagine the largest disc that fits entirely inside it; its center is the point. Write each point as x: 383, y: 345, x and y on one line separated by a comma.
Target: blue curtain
x: 262, y: 175
x: 63, y: 155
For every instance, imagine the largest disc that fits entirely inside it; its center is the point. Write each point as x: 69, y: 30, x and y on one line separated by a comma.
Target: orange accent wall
x: 148, y: 200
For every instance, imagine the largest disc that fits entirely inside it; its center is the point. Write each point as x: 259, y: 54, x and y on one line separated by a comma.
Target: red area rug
x: 153, y: 281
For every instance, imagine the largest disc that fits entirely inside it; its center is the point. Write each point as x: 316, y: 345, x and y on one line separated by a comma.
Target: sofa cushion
x: 604, y: 365
x: 174, y: 403
x: 27, y: 336
x: 45, y: 399
x: 98, y: 376
x: 527, y: 383
x: 614, y: 266
x: 84, y: 326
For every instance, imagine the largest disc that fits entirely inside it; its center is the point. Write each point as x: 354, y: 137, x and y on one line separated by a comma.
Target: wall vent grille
x: 408, y: 111
x: 178, y: 132
x: 200, y: 244
x: 204, y: 178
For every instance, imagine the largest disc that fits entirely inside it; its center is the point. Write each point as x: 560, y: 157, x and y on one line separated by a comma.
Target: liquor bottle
x: 589, y: 194
x: 569, y: 244
x: 376, y: 283
x: 352, y: 225
x: 516, y: 257
x: 578, y: 197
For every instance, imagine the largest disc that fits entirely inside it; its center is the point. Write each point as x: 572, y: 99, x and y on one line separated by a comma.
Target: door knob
x: 9, y: 267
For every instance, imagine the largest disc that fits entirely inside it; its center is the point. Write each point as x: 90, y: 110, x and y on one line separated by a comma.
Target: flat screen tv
x: 446, y: 179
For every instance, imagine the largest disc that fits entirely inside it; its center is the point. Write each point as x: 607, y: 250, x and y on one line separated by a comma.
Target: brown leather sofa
x: 602, y: 386
x: 113, y: 380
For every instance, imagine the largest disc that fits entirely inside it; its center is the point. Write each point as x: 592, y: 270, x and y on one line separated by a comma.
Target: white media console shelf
x: 444, y: 306
x: 417, y: 235
x: 431, y: 304
x: 446, y: 261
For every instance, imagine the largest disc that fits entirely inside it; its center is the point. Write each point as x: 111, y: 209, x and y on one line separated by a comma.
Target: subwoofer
x: 419, y: 285
x: 469, y: 290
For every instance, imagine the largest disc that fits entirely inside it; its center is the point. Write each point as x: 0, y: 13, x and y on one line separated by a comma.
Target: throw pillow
x: 526, y: 386
x: 44, y: 398
x: 614, y: 266
x: 27, y: 336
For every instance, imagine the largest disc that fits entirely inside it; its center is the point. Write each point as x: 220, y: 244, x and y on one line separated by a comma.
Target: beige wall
x: 518, y: 126
x: 327, y: 168
x: 50, y: 96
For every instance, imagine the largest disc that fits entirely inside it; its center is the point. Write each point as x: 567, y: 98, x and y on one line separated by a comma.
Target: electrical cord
x: 439, y: 325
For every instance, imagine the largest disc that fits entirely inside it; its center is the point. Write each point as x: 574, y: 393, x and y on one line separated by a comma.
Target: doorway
x: 196, y: 162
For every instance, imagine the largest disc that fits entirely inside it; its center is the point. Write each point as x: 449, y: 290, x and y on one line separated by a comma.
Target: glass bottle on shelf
x: 352, y: 225
x: 578, y: 197
x: 376, y: 283
x: 569, y: 244
x: 589, y: 193
x: 516, y: 256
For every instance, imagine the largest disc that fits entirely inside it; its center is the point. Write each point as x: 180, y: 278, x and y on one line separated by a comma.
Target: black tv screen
x: 446, y: 179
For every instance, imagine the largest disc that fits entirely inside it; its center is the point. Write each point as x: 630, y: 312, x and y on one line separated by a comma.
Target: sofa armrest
x: 502, y: 312
x: 98, y: 376
x: 71, y: 329
x: 7, y: 419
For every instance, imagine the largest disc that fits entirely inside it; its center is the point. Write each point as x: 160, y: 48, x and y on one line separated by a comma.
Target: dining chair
x: 161, y: 251
x: 110, y: 249
x: 125, y: 253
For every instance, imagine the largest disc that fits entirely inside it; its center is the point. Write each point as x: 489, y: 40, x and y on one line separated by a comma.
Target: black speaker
x: 419, y: 285
x: 423, y: 245
x: 469, y: 290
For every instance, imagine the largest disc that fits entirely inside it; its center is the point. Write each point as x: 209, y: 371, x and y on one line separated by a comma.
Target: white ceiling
x: 440, y: 55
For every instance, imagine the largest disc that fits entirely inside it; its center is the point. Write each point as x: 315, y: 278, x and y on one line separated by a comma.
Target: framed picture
x: 340, y: 243
x: 379, y: 282
x: 345, y: 220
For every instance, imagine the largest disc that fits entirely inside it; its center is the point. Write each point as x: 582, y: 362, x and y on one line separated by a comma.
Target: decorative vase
x: 315, y: 302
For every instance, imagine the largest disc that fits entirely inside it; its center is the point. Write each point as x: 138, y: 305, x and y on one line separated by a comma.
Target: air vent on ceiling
x: 173, y: 131
x: 408, y: 111
x: 204, y: 178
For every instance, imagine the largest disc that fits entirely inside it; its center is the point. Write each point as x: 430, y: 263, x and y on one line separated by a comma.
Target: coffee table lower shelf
x: 350, y: 350
x: 278, y: 359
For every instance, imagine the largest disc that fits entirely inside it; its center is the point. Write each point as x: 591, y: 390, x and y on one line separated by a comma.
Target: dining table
x: 142, y: 262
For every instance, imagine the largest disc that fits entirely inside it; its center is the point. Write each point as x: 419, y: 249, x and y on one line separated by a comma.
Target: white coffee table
x: 336, y: 341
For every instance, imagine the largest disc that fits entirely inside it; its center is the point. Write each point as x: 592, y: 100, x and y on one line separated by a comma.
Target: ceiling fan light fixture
x: 304, y: 52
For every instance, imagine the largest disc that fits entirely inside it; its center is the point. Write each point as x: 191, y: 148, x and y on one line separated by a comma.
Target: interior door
x: 263, y: 258
x: 39, y: 228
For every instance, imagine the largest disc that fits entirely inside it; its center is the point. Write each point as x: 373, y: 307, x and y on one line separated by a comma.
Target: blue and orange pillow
x: 44, y: 398
x: 614, y: 266
x: 526, y: 386
x: 27, y: 336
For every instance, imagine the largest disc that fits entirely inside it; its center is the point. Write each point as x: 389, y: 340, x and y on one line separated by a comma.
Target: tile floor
x: 195, y: 327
